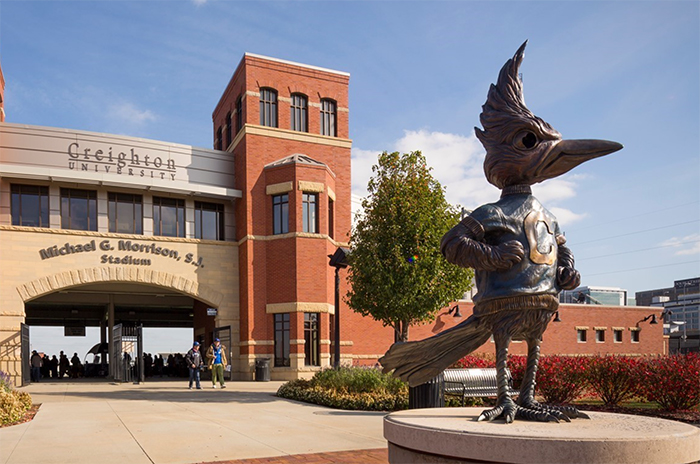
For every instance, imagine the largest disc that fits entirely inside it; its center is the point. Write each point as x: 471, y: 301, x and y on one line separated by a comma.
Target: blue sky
x: 626, y: 71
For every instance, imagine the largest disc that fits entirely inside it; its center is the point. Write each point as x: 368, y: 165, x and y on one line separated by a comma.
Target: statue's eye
x: 526, y: 140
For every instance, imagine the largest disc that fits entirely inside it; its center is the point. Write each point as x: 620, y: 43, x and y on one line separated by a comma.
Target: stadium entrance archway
x: 121, y: 310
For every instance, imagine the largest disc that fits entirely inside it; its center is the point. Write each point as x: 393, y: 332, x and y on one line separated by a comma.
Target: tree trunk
x: 403, y: 336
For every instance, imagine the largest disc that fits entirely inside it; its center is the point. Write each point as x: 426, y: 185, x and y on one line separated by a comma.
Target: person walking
x: 217, y: 360
x: 36, y: 363
x: 194, y: 361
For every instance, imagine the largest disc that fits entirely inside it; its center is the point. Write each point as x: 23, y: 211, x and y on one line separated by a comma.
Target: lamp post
x: 338, y: 260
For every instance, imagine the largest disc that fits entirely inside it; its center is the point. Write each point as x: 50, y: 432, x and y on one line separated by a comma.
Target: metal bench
x: 473, y: 383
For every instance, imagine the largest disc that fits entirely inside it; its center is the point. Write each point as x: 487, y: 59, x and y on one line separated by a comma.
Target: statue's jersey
x: 519, y: 217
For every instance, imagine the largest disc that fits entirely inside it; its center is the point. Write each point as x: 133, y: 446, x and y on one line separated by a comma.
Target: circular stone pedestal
x: 451, y: 435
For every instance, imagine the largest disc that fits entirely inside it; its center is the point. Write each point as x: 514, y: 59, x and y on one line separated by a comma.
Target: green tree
x: 398, y: 275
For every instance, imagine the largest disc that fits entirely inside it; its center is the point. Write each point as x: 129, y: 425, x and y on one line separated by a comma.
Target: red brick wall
x: 293, y: 269
x: 560, y: 338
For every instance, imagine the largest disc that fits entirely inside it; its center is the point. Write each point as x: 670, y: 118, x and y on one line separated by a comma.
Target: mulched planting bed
x: 28, y: 415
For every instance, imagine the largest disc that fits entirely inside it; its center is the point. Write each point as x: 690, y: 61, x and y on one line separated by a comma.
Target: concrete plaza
x: 164, y: 422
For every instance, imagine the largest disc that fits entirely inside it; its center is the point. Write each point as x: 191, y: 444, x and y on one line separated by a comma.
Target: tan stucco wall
x: 24, y: 275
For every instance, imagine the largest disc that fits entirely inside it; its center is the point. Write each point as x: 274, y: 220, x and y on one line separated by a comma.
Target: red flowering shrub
x: 562, y: 379
x: 672, y: 381
x: 517, y: 364
x: 613, y: 378
x: 475, y: 361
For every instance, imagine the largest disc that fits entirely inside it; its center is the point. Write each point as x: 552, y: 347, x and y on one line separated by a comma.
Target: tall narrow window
x: 228, y: 130
x: 282, y: 340
x: 168, y: 217
x: 299, y: 112
x: 268, y: 107
x: 310, y: 212
x: 29, y: 205
x: 218, y: 143
x: 280, y: 214
x: 208, y: 221
x: 311, y: 340
x: 331, y: 218
x: 79, y: 209
x: 635, y: 336
x: 581, y: 335
x: 125, y: 213
x: 328, y: 117
x: 239, y: 113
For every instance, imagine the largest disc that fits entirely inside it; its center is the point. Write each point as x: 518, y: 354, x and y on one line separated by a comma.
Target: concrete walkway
x: 164, y: 422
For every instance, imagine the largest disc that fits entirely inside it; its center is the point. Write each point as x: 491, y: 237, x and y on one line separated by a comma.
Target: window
x: 581, y: 335
x: 239, y: 113
x: 280, y: 214
x: 617, y: 336
x: 309, y: 203
x: 331, y: 225
x: 311, y: 340
x: 79, y: 209
x: 228, y: 130
x: 125, y: 213
x: 218, y: 142
x: 168, y: 217
x: 328, y: 117
x: 282, y: 340
x: 299, y: 112
x: 208, y: 221
x: 635, y: 336
x: 600, y: 336
x: 268, y: 107
x: 29, y: 205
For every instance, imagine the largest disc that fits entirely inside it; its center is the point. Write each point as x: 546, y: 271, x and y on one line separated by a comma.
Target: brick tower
x: 286, y: 125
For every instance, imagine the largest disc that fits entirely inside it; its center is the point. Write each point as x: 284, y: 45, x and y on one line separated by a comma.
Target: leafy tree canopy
x: 398, y: 275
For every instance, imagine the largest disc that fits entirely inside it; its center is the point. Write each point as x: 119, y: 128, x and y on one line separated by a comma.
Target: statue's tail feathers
x: 419, y: 361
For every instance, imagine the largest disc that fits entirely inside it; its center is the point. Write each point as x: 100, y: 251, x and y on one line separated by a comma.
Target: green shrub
x: 349, y: 388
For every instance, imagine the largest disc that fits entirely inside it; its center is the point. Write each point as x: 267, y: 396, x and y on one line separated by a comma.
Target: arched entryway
x: 120, y: 302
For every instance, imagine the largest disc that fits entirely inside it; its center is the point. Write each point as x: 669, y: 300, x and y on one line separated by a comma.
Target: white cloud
x: 199, y: 2
x: 688, y: 245
x: 457, y: 163
x: 127, y: 113
x: 566, y: 217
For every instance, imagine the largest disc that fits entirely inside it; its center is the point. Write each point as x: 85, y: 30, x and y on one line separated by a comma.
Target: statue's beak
x: 567, y: 154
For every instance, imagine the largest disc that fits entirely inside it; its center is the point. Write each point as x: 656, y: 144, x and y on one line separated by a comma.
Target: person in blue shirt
x: 217, y: 360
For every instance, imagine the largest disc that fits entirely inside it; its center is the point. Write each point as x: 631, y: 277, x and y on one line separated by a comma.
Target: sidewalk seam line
x: 130, y: 433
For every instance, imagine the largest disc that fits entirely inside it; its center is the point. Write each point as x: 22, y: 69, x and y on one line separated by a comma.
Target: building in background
x: 681, y: 313
x: 608, y: 296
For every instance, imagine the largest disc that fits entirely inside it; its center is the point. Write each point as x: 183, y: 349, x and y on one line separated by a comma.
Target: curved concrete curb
x: 453, y: 435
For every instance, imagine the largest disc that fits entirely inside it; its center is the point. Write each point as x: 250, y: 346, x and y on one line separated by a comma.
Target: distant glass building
x: 681, y: 313
x: 607, y: 296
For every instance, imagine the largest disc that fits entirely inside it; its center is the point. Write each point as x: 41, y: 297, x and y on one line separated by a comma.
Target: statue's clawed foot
x: 565, y: 413
x: 505, y: 409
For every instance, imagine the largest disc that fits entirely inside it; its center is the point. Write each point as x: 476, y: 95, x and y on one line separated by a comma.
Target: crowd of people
x: 43, y: 366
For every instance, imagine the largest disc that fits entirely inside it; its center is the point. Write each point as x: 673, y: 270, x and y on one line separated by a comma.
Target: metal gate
x: 224, y: 334
x: 24, y: 356
x: 127, y: 353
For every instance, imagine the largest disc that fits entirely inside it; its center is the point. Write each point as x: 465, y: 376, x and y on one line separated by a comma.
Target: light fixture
x: 651, y: 322
x: 455, y: 310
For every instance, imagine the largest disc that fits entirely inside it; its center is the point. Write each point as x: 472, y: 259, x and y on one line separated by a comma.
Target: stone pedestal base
x: 452, y: 435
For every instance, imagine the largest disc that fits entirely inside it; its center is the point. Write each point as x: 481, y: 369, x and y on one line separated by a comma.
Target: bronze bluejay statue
x: 516, y: 248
